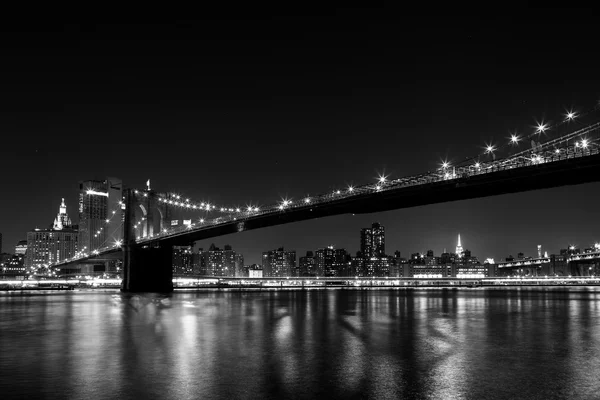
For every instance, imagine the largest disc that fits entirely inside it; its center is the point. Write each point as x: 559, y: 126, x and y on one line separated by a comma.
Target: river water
x: 409, y: 344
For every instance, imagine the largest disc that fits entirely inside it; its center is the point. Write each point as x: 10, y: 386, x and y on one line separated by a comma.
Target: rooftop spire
x: 62, y: 220
x: 459, y: 249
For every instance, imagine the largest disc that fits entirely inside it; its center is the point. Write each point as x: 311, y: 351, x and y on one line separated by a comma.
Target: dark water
x: 421, y: 344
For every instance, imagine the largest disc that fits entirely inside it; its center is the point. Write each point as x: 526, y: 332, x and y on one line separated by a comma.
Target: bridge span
x: 570, y: 159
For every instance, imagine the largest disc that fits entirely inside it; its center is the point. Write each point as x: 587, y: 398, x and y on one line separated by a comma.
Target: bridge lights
x: 445, y: 164
x: 489, y: 148
x: 350, y: 189
x: 541, y: 128
x: 570, y: 116
x: 307, y: 200
x: 584, y: 143
x: 514, y: 139
x: 557, y: 151
x: 378, y: 187
x: 477, y: 165
x: 337, y: 192
x: 382, y: 179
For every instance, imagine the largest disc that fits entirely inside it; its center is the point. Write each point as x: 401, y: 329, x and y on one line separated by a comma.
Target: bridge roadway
x: 570, y: 171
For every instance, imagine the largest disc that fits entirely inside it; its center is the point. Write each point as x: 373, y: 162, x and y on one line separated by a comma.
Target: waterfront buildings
x: 255, y: 271
x: 218, y: 262
x: 100, y: 215
x: 48, y: 246
x: 182, y: 260
x: 278, y: 262
x: 306, y: 265
x: 332, y: 262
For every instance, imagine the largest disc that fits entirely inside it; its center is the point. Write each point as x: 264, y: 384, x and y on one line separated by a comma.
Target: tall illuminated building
x: 62, y: 220
x: 100, y: 216
x: 182, y: 260
x: 459, y: 248
x: 48, y: 246
x: 372, y: 241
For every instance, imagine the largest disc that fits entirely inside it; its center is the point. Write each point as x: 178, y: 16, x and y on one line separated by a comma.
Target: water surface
x: 413, y: 344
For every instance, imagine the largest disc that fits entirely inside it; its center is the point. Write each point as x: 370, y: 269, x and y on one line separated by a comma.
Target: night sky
x: 239, y: 111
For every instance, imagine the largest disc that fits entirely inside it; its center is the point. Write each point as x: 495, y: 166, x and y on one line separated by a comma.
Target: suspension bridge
x: 570, y: 158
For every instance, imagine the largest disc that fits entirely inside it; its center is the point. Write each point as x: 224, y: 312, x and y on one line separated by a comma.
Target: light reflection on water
x: 440, y: 344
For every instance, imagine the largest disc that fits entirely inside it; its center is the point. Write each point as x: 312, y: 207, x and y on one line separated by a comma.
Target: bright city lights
x: 541, y: 128
x: 489, y: 148
x: 514, y: 139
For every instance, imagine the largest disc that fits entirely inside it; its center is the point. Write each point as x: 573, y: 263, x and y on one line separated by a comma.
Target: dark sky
x: 254, y: 109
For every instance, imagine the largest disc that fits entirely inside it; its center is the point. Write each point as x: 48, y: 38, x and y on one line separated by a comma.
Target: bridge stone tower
x: 146, y: 267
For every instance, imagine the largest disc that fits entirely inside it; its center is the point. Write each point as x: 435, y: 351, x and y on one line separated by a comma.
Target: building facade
x: 100, y: 213
x: 332, y: 262
x: 306, y: 265
x: 182, y: 260
x: 49, y: 246
x: 372, y: 241
x: 278, y: 262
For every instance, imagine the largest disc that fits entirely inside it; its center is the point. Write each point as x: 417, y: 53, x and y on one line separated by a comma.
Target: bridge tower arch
x: 146, y: 267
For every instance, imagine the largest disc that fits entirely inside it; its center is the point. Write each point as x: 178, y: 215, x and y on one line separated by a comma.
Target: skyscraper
x: 213, y: 262
x: 62, y: 220
x: 278, y: 262
x: 48, y: 246
x: 229, y: 260
x: 100, y: 216
x: 372, y: 241
x: 459, y: 249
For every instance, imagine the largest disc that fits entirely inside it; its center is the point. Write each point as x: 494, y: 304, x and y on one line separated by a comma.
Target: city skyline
x: 253, y: 254
x: 250, y: 134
